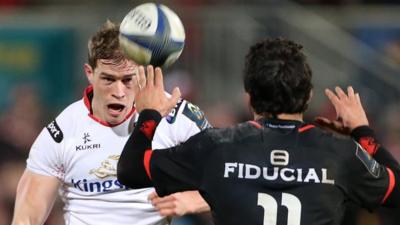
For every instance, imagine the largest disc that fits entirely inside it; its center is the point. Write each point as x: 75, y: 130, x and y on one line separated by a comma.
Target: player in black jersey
x: 277, y: 169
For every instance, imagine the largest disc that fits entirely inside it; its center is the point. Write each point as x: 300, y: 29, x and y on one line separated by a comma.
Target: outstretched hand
x: 349, y: 111
x: 151, y: 93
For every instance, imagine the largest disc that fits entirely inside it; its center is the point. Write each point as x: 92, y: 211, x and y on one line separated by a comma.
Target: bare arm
x: 179, y: 204
x: 35, y: 198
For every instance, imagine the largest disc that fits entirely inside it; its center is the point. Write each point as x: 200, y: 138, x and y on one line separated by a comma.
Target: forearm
x: 26, y: 213
x: 133, y: 165
x: 365, y: 136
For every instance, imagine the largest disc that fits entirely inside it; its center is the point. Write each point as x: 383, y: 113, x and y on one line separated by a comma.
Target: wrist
x: 365, y: 136
x: 362, y: 131
x: 148, y: 121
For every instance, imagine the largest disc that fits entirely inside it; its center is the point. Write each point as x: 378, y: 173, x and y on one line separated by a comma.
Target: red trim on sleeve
x: 369, y: 144
x: 148, y: 128
x: 392, y: 182
x: 254, y: 123
x: 146, y: 161
x: 305, y: 128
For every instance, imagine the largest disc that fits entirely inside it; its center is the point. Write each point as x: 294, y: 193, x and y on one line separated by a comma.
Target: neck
x: 282, y: 116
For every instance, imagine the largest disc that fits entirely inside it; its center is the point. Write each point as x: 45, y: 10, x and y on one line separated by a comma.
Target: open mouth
x: 116, y: 107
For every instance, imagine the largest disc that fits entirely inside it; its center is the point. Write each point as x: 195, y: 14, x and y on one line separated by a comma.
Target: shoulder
x: 235, y: 133
x: 187, y: 113
x: 341, y: 146
x: 66, y: 121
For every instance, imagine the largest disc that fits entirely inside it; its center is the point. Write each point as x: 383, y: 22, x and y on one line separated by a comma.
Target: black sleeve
x: 181, y: 168
x: 169, y: 170
x: 131, y: 169
x: 366, y: 138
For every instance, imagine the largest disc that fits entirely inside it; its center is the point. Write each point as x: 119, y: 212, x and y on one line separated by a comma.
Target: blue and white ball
x: 152, y: 34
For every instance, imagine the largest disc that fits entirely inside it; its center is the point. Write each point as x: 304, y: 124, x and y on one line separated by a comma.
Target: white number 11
x: 270, y: 205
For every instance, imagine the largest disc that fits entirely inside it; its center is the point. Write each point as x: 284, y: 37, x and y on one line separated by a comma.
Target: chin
x: 115, y: 121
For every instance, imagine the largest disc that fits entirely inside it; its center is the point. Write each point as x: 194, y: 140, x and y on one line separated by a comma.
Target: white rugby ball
x: 152, y: 34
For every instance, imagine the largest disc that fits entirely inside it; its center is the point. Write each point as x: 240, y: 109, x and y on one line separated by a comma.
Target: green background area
x: 42, y: 57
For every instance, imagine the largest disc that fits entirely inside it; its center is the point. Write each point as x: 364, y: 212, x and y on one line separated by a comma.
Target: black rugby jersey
x: 270, y: 172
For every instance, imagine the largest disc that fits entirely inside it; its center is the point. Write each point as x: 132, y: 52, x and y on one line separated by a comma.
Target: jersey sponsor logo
x: 107, y: 167
x: 171, y: 117
x: 97, y: 186
x: 251, y: 172
x: 86, y: 139
x: 55, y: 131
x: 278, y: 158
x: 194, y: 113
x: 369, y: 162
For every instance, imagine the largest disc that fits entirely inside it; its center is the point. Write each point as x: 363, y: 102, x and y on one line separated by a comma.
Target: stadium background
x: 349, y: 42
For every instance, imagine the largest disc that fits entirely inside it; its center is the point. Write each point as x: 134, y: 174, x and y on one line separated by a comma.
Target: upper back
x: 277, y: 173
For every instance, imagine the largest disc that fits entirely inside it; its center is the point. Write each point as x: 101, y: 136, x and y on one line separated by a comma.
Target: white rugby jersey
x: 83, y: 151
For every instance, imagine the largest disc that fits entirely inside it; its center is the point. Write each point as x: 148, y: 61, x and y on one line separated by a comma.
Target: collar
x: 283, y: 124
x: 87, y: 99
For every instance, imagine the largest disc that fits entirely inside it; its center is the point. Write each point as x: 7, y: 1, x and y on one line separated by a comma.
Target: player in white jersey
x: 76, y: 154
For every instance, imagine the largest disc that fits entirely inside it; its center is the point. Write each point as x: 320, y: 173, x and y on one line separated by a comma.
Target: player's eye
x: 108, y: 79
x: 127, y: 80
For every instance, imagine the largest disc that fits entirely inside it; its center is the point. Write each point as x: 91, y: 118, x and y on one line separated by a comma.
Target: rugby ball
x: 152, y: 34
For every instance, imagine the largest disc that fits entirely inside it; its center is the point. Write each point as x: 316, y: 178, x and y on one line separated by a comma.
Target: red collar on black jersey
x: 87, y: 99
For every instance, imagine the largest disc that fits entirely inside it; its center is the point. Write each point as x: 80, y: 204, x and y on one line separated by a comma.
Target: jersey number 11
x: 270, y: 205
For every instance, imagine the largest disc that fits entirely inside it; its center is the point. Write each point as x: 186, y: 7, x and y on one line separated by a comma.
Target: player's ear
x: 89, y: 72
x: 246, y: 98
x: 310, y: 96
x: 247, y: 101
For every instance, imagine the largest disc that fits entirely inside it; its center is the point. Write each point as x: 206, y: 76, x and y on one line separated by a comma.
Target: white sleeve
x: 44, y: 154
x: 183, y: 122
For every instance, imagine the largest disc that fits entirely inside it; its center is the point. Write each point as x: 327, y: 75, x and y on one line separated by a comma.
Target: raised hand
x: 151, y: 93
x: 349, y: 111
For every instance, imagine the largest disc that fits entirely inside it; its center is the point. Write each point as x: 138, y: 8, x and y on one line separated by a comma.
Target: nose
x: 119, y: 90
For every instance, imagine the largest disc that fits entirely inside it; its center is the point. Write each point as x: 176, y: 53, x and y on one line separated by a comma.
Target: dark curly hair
x: 104, y: 44
x: 277, y: 77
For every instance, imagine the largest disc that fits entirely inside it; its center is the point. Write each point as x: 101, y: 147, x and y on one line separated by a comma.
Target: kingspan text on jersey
x: 97, y: 186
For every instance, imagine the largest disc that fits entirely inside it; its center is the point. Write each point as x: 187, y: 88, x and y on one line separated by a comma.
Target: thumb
x: 322, y: 120
x: 176, y: 95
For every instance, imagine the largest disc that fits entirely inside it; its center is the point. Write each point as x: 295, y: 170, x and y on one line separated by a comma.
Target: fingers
x: 141, y: 77
x: 159, y: 80
x: 350, y: 92
x: 331, y: 96
x: 152, y: 196
x: 150, y: 76
x: 334, y: 100
x: 322, y: 121
x: 340, y: 93
x: 166, y: 206
x: 176, y: 95
x: 159, y: 200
